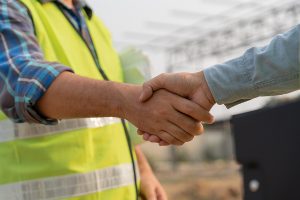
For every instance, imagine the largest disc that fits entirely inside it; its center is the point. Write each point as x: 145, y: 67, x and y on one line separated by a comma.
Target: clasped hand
x: 178, y: 104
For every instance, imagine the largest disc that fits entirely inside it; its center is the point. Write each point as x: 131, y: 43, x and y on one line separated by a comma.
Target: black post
x: 267, y: 145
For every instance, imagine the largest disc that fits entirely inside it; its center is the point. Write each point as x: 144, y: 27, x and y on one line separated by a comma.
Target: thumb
x: 147, y: 92
x: 151, y: 86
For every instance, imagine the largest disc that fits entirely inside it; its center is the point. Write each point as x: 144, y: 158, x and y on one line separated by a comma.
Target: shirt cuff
x: 230, y: 83
x: 31, y: 86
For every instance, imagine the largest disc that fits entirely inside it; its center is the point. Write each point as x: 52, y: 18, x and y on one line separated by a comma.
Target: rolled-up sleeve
x: 265, y: 71
x: 24, y: 74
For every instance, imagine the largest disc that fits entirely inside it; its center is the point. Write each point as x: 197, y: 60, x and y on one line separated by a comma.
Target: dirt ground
x: 217, y: 181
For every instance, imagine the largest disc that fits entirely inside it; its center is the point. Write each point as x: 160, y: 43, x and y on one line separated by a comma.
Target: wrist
x: 116, y: 99
x: 206, y: 90
x: 203, y: 86
x: 125, y: 97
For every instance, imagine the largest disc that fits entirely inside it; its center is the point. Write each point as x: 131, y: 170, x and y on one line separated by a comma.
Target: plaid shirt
x: 24, y: 74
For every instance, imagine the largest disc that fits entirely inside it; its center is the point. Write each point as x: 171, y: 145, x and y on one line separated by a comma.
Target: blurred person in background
x: 261, y: 71
x: 57, y: 62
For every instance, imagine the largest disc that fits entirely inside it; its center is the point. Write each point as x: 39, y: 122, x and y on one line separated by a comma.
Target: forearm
x: 73, y: 96
x: 143, y: 164
x: 150, y: 186
x: 271, y: 70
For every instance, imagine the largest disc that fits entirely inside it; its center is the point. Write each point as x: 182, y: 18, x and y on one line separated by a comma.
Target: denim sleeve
x: 24, y: 74
x: 262, y: 71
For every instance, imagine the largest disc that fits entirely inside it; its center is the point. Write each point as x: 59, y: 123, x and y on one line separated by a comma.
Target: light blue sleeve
x: 265, y: 71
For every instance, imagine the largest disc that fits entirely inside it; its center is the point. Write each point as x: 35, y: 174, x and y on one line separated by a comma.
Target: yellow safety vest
x: 85, y: 159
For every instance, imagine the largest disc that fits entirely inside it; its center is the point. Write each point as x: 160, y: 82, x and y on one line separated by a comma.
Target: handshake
x: 170, y: 108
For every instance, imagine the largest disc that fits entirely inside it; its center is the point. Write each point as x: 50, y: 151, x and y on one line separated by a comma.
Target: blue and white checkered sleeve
x: 24, y: 74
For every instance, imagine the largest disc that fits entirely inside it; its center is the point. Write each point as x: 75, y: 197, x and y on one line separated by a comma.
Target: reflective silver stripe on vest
x: 69, y: 185
x: 11, y: 131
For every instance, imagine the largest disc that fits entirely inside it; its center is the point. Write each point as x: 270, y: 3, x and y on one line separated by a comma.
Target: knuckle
x: 154, y: 112
x: 177, y: 142
x: 188, y: 108
x: 182, y: 134
x: 162, y: 78
x: 184, y: 76
x: 185, y: 136
x: 174, y: 141
x: 201, y: 130
x: 164, y: 136
x: 206, y: 116
x: 196, y: 128
x: 190, y: 138
x: 158, y: 113
x: 164, y: 95
x: 162, y: 112
x: 164, y: 75
x: 211, y: 119
x: 179, y: 119
x: 145, y: 84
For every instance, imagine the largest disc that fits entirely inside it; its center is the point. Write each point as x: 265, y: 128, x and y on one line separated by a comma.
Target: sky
x: 139, y: 22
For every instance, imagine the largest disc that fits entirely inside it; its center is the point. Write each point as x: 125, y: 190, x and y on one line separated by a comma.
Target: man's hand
x: 192, y: 86
x: 151, y: 189
x: 170, y: 117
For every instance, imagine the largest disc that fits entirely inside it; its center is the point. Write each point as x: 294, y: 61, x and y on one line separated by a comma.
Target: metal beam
x: 162, y: 25
x: 242, y: 33
x: 195, y: 26
x: 141, y: 36
x: 140, y: 45
x: 188, y: 13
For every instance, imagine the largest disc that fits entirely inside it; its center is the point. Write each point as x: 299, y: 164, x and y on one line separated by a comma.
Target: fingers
x: 149, y: 137
x: 140, y: 132
x: 179, y: 133
x: 163, y: 143
x: 171, y: 118
x: 189, y: 125
x: 151, y: 86
x: 161, y: 194
x: 147, y: 92
x: 149, y: 193
x: 155, y: 193
x: 165, y: 136
x: 193, y: 110
x: 154, y: 139
x: 173, y: 135
x: 180, y: 117
x: 151, y: 189
x: 146, y: 136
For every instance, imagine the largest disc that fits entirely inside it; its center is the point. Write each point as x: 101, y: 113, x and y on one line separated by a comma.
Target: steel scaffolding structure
x: 234, y: 35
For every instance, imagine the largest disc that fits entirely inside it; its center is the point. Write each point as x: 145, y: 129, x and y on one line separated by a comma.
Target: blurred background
x: 171, y: 36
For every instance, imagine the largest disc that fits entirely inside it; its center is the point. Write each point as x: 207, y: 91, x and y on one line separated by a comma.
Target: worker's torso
x: 78, y: 158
